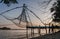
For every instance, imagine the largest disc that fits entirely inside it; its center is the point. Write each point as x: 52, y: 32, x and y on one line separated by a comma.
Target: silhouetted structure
x: 23, y: 18
x: 56, y: 8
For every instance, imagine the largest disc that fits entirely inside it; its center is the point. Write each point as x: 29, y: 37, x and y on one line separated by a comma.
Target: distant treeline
x: 5, y: 28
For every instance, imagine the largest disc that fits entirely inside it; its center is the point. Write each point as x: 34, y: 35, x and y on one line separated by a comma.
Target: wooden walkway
x: 44, y: 27
x: 50, y: 29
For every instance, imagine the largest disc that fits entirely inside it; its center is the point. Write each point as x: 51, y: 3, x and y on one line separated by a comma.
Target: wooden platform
x: 51, y: 29
x: 44, y: 27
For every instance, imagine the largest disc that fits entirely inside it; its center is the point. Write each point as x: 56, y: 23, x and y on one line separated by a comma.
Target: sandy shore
x: 49, y: 36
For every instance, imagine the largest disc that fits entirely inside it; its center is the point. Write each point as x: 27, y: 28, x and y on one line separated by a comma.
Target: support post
x: 52, y: 28
x: 39, y: 31
x: 46, y: 29
x: 49, y: 28
x: 27, y: 32
x: 33, y: 31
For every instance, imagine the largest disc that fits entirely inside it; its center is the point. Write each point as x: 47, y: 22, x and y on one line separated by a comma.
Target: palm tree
x: 56, y: 8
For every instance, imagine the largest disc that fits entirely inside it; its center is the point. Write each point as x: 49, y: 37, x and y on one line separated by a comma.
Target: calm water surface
x: 12, y: 34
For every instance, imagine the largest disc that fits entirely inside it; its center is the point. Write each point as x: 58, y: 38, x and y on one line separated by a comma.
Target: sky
x: 39, y: 7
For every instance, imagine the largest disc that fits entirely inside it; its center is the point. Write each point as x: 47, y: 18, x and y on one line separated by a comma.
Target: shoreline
x: 55, y: 35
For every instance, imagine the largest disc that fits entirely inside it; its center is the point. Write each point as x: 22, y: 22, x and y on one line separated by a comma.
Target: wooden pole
x: 46, y: 29
x: 52, y: 28
x: 39, y: 31
x: 27, y: 32
x: 49, y: 28
x: 31, y: 31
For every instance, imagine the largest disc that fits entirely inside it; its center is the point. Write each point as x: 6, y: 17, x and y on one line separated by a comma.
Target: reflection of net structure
x: 23, y: 19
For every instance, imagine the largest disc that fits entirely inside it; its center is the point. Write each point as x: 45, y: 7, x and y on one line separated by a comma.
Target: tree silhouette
x: 8, y: 2
x: 56, y: 8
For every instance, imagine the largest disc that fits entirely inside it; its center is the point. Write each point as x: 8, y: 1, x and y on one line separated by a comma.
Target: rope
x: 9, y: 10
x: 36, y: 16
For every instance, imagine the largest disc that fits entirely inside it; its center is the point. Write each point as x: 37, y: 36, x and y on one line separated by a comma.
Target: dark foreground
x: 55, y: 35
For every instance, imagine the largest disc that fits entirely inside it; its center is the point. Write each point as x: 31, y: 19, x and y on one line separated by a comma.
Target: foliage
x: 8, y: 2
x: 56, y: 8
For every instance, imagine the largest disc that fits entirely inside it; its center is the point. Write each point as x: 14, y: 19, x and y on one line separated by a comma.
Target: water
x: 12, y: 34
x: 15, y: 34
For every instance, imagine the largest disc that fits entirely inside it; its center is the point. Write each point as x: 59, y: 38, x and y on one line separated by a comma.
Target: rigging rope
x: 47, y: 3
x: 12, y: 21
x: 22, y: 16
x: 36, y: 16
x: 10, y: 10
